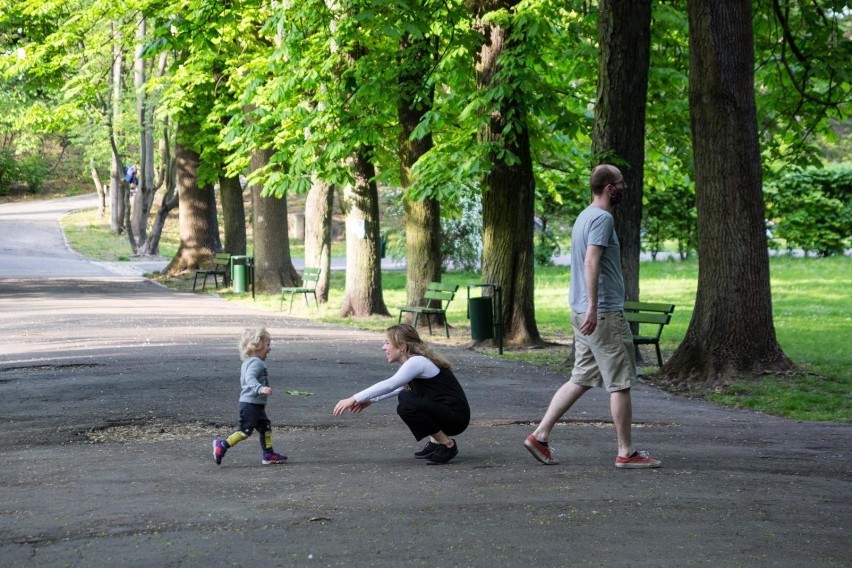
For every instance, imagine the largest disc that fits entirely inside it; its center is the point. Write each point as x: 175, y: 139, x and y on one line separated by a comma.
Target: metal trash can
x: 240, y: 269
x: 481, y: 312
x: 484, y: 313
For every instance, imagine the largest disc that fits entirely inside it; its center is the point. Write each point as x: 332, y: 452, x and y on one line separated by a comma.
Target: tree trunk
x: 170, y: 201
x: 363, y: 294
x: 508, y: 202
x: 117, y: 185
x: 196, y: 234
x: 423, y: 217
x: 272, y: 265
x: 233, y: 213
x: 318, y: 214
x: 143, y: 200
x: 151, y: 246
x: 731, y: 332
x: 624, y: 37
x: 99, y: 188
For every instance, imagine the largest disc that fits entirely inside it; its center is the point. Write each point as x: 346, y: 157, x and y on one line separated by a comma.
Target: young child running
x: 254, y: 382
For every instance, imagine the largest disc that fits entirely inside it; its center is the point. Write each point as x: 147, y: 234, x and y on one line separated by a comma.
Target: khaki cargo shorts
x: 606, y: 357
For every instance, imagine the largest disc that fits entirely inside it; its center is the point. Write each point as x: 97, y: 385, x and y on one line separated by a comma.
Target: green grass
x: 90, y: 235
x: 812, y: 315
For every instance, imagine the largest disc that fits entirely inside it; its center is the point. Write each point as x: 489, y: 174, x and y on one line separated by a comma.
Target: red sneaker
x: 638, y: 460
x: 541, y: 452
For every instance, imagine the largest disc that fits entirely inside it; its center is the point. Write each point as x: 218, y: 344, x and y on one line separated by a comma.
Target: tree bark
x: 233, y: 214
x: 423, y: 217
x: 272, y: 265
x: 731, y: 332
x: 508, y: 201
x: 624, y: 36
x: 197, y: 243
x: 363, y: 293
x: 318, y: 215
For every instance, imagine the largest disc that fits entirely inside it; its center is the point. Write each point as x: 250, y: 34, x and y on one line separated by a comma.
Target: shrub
x: 32, y: 170
x: 812, y: 209
x: 8, y: 171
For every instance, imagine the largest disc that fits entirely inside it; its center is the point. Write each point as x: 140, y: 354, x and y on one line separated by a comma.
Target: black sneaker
x: 443, y: 454
x: 427, y: 451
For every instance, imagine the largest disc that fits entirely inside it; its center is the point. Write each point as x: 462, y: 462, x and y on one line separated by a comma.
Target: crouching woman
x: 431, y: 401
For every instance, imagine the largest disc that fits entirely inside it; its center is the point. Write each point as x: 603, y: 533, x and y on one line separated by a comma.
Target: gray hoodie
x: 253, y: 377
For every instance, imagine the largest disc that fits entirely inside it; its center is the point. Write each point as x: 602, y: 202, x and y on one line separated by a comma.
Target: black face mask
x: 616, y: 195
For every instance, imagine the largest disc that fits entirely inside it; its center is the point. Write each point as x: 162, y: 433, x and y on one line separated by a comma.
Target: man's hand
x: 591, y: 321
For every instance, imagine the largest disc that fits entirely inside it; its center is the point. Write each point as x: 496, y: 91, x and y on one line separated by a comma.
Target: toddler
x: 254, y: 382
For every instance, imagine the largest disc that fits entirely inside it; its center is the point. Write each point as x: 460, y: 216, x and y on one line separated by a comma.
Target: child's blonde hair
x: 252, y: 340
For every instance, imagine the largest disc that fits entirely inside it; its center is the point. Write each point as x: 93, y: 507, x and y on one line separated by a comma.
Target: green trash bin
x: 485, y: 312
x: 239, y: 274
x: 481, y: 318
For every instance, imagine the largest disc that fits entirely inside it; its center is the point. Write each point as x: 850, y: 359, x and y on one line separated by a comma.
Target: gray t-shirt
x: 595, y: 226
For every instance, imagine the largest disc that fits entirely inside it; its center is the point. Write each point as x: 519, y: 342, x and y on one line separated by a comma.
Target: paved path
x: 112, y: 387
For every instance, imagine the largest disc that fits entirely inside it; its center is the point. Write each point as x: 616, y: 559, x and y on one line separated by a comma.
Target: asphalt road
x: 112, y: 388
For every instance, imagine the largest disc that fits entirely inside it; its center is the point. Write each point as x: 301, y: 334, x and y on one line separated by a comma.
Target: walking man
x: 603, y: 343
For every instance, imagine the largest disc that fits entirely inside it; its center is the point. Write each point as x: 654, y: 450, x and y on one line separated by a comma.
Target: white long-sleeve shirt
x: 416, y: 367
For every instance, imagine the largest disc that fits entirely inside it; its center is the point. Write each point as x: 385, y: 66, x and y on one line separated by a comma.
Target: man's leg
x: 621, y: 406
x: 562, y: 401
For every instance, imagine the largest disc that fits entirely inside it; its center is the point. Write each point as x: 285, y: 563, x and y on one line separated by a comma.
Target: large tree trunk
x: 423, y: 217
x: 197, y: 239
x: 508, y: 201
x: 272, y: 264
x: 318, y: 215
x: 624, y: 36
x: 731, y: 331
x: 233, y: 214
x: 363, y: 293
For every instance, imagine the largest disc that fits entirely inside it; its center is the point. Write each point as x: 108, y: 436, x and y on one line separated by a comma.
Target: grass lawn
x: 812, y: 314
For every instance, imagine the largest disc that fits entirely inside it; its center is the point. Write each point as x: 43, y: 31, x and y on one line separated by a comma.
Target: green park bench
x: 310, y: 277
x: 437, y: 299
x: 649, y: 315
x: 221, y: 265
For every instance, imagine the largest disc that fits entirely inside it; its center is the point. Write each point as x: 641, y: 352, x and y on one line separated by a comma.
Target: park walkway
x: 112, y: 387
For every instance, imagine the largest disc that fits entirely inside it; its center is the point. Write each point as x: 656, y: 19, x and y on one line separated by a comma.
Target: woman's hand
x: 265, y: 390
x: 347, y: 404
x: 359, y: 406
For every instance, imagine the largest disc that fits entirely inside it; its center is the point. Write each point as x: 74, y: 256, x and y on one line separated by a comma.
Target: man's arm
x: 591, y: 273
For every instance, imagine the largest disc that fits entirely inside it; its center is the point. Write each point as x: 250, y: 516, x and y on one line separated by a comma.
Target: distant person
x: 131, y: 177
x: 431, y: 400
x: 603, y: 343
x: 255, y: 345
